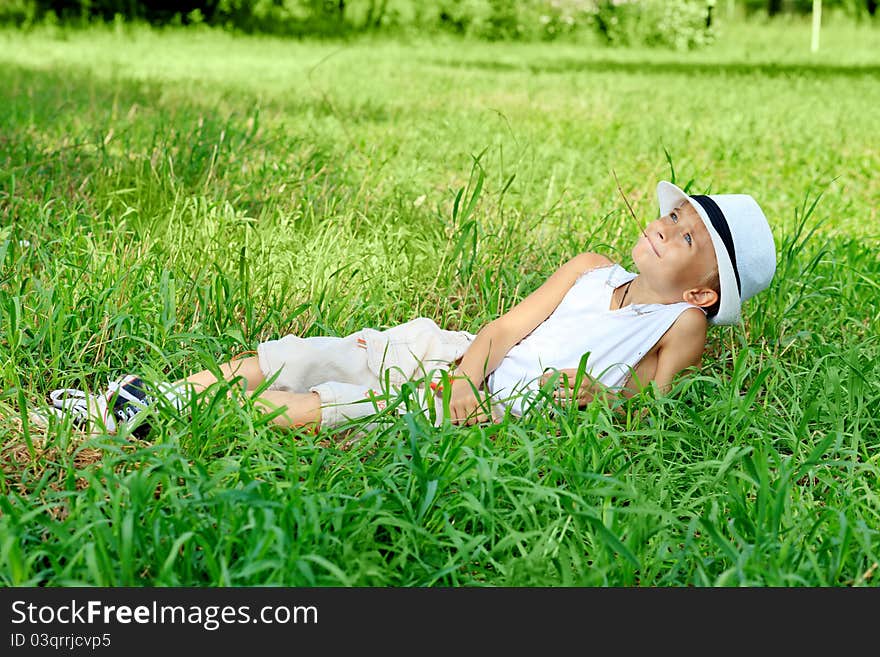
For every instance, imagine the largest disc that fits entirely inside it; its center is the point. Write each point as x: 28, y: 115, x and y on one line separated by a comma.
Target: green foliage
x: 678, y: 24
x: 493, y: 20
x: 19, y: 12
x: 498, y: 20
x: 485, y: 19
x: 295, y: 17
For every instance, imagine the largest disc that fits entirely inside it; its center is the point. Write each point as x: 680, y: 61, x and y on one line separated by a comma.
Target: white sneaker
x: 130, y: 398
x: 125, y: 402
x: 89, y: 413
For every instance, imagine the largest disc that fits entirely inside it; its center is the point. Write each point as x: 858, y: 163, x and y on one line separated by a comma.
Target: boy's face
x: 679, y: 256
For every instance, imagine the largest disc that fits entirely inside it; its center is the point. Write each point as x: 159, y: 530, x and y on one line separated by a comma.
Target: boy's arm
x: 497, y: 337
x: 681, y: 347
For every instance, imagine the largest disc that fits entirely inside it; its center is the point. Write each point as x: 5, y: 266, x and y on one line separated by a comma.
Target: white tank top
x: 582, y: 322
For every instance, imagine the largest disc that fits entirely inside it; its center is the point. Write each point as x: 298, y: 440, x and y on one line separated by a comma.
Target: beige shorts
x: 348, y: 373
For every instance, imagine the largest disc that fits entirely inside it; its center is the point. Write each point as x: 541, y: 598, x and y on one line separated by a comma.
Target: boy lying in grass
x: 697, y: 263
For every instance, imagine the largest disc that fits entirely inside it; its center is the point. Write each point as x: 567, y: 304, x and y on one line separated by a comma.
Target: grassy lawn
x: 169, y: 199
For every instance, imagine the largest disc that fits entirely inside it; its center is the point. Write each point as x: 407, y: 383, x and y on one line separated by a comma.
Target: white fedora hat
x: 743, y: 244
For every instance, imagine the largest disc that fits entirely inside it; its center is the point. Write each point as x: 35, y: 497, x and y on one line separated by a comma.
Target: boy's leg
x: 130, y: 396
x: 301, y: 408
x: 326, y: 405
x: 247, y: 368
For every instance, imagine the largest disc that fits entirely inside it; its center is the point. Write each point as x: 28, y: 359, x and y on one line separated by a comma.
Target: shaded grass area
x: 160, y: 220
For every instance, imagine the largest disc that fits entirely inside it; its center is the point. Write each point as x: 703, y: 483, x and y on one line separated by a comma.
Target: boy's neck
x: 640, y: 293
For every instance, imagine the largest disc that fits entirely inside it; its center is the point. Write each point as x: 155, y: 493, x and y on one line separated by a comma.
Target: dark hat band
x: 719, y: 223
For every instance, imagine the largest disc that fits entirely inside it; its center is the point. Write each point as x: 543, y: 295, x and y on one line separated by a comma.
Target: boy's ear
x: 700, y: 296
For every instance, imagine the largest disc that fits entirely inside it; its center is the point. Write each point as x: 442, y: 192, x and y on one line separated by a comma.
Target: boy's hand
x: 564, y: 390
x: 464, y: 406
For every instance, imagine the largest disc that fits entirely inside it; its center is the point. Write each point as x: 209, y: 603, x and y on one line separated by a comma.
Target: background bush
x: 645, y: 21
x: 678, y: 24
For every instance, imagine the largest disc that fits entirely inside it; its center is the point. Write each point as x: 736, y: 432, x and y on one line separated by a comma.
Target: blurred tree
x: 375, y: 14
x: 676, y: 23
x: 679, y: 24
x: 151, y: 10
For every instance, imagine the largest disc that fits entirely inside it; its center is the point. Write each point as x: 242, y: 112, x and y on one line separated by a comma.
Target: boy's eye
x: 688, y: 239
x: 674, y: 217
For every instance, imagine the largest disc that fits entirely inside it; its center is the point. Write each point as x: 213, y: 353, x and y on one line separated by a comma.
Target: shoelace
x: 83, y: 408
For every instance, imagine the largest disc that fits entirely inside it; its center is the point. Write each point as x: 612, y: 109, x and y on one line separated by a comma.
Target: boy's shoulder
x: 688, y: 331
x: 682, y: 345
x: 591, y: 260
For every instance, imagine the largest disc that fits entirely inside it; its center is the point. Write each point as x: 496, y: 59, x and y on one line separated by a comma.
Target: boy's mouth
x: 656, y: 252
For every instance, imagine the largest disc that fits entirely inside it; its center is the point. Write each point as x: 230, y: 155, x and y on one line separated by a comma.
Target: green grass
x: 169, y: 199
